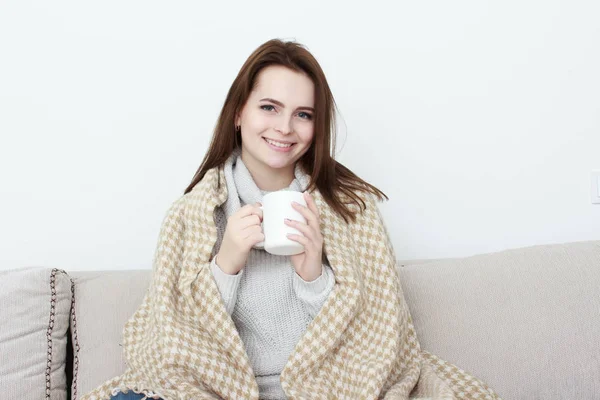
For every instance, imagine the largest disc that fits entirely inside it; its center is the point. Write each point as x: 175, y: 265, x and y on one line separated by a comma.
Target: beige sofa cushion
x: 526, y: 321
x: 104, y: 301
x: 35, y: 306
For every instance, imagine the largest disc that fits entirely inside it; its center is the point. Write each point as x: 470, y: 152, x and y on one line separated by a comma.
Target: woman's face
x: 281, y: 109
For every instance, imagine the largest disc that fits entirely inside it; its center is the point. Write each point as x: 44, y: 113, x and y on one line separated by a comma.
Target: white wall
x: 480, y: 120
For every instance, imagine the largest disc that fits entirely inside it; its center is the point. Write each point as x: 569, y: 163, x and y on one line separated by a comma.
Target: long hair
x: 333, y: 180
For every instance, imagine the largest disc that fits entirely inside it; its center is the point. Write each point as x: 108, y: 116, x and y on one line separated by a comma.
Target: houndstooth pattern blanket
x: 182, y: 344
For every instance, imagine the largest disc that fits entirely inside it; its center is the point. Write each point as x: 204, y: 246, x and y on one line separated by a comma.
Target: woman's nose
x: 284, y: 125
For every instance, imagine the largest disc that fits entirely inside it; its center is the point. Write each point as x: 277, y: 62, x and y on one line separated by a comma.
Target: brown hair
x: 331, y: 178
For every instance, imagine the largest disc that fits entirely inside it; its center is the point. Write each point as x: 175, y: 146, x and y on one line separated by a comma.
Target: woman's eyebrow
x: 280, y: 104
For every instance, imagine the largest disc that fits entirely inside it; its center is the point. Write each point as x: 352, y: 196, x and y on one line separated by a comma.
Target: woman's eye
x: 266, y: 107
x: 305, y: 115
x: 269, y: 107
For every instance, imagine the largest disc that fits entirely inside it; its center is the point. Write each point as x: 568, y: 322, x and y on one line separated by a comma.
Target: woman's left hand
x: 309, y: 265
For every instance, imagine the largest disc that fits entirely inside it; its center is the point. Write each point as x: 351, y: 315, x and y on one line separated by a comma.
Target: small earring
x: 238, y: 128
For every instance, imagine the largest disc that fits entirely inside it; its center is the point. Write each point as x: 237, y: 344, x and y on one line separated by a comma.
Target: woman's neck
x: 269, y: 179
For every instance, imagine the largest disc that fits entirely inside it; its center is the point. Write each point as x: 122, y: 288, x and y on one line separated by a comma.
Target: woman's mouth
x: 277, y: 146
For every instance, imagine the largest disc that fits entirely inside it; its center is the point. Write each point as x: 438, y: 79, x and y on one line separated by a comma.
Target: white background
x: 479, y: 119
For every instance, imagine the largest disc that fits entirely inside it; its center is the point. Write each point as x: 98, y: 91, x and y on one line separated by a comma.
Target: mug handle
x: 262, y: 227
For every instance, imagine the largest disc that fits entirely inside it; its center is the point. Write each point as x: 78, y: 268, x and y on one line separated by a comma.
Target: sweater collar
x: 243, y: 190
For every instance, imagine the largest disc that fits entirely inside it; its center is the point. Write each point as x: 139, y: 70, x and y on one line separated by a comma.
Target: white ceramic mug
x: 276, y: 207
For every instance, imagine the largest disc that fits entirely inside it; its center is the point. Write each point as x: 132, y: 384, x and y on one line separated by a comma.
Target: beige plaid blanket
x: 182, y: 344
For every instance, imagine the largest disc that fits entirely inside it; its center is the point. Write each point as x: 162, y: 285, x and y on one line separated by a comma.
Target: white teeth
x: 277, y: 143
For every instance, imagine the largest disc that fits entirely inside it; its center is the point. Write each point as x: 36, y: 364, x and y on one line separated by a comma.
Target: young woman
x: 230, y: 320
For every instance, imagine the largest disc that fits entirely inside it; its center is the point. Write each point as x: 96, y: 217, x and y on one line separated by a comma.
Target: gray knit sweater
x: 270, y: 304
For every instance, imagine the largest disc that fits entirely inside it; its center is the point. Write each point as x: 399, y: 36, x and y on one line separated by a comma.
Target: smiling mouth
x: 278, y: 144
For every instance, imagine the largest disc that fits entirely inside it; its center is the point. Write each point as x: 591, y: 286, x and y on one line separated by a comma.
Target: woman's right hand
x: 243, y: 231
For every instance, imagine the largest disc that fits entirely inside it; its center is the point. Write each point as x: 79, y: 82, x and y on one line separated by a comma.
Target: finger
x: 249, y: 209
x: 300, y: 239
x: 311, y: 219
x: 251, y: 231
x: 255, y: 238
x: 311, y: 204
x: 250, y: 220
x: 306, y: 230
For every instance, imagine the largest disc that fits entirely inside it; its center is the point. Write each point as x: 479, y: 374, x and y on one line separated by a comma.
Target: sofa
x: 526, y: 321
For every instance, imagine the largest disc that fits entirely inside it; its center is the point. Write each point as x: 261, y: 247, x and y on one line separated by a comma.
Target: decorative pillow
x: 35, y: 306
x: 103, y: 302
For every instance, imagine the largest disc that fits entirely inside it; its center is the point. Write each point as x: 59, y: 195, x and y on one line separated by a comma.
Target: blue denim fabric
x: 128, y: 396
